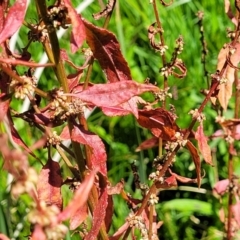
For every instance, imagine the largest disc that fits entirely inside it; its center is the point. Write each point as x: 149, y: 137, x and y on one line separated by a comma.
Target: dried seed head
x: 200, y: 117
x: 23, y: 88
x: 54, y: 139
x: 162, y: 94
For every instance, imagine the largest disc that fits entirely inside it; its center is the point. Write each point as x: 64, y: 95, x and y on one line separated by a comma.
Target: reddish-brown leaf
x: 78, y: 34
x: 4, y: 106
x: 225, y: 89
x: 113, y: 94
x: 99, y: 214
x: 106, y: 50
x: 13, y: 20
x: 203, y: 145
x: 168, y: 183
x: 98, y: 154
x: 221, y: 187
x: 109, y: 213
x: 79, y: 199
x: 147, y: 144
x: 160, y: 122
x: 49, y: 184
x: 182, y: 179
x: 79, y: 216
x: 196, y: 159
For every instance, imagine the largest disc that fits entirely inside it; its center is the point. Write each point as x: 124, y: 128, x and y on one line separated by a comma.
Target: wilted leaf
x: 78, y: 34
x: 225, y: 89
x: 49, y: 184
x: 113, y: 94
x: 13, y: 20
x: 116, y: 189
x: 160, y: 122
x: 98, y: 154
x: 182, y: 179
x: 196, y: 159
x: 79, y: 199
x: 123, y: 109
x: 99, y: 214
x: 79, y: 216
x: 221, y: 186
x: 203, y: 145
x: 117, y: 235
x: 106, y: 50
x: 148, y: 144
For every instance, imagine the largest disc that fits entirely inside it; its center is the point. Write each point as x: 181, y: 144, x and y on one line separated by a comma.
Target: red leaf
x: 106, y: 50
x: 196, y: 160
x: 4, y: 106
x: 148, y: 144
x: 109, y: 213
x: 78, y: 34
x: 3, y: 237
x: 65, y: 135
x: 203, y: 145
x: 79, y: 216
x: 38, y: 233
x: 99, y: 214
x: 115, y: 111
x: 120, y: 231
x: 159, y: 121
x: 221, y: 186
x: 98, y: 156
x: 15, y: 162
x: 79, y: 199
x: 113, y: 94
x: 125, y: 108
x: 49, y: 184
x: 14, y: 19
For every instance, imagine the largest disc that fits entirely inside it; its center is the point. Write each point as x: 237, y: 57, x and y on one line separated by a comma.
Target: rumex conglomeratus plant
x: 59, y: 114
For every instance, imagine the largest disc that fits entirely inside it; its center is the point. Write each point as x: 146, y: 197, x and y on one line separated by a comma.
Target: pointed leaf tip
x: 13, y: 20
x: 78, y: 34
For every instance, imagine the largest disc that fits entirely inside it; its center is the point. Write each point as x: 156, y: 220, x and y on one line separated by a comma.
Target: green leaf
x: 188, y: 205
